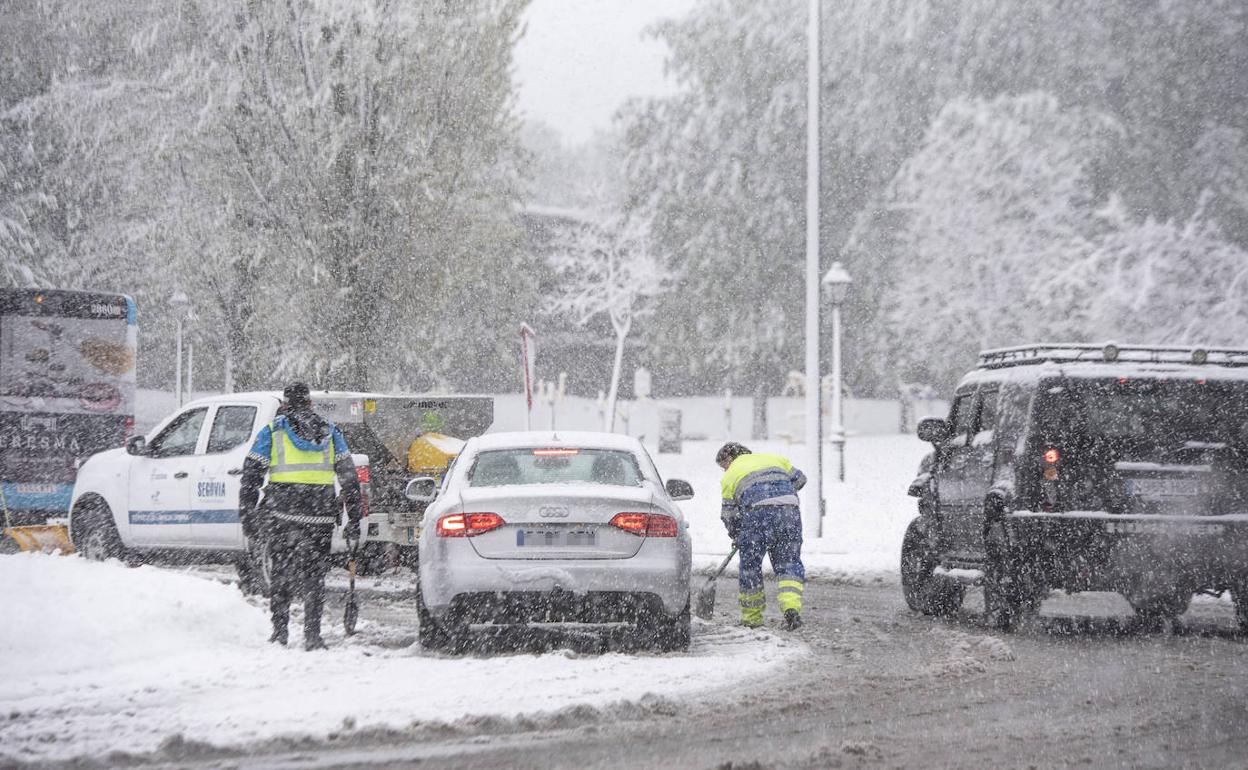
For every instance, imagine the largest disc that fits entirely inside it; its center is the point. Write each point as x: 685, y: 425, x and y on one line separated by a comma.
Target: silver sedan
x: 553, y: 528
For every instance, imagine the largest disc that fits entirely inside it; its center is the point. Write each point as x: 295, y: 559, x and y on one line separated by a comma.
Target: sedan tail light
x: 468, y: 524
x: 646, y: 524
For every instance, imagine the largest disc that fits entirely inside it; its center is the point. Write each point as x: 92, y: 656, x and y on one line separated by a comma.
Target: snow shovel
x: 352, y: 611
x: 706, y: 597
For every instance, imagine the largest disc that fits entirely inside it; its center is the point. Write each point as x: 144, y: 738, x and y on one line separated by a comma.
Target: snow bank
x: 98, y: 658
x: 866, y: 517
x: 86, y: 615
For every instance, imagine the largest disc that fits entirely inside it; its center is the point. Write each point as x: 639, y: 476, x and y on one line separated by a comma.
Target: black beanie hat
x: 297, y: 394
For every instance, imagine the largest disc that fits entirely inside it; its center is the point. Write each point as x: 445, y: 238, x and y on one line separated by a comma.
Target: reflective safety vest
x: 760, y: 479
x: 288, y: 464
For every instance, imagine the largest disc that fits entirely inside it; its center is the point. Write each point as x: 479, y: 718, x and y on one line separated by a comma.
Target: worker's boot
x: 281, y: 622
x: 314, y: 643
x: 313, y: 603
x: 792, y: 620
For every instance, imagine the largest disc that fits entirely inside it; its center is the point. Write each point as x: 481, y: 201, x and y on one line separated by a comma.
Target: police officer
x: 302, y: 454
x: 762, y: 513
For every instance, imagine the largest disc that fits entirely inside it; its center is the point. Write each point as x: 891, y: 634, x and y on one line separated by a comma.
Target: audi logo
x: 552, y: 512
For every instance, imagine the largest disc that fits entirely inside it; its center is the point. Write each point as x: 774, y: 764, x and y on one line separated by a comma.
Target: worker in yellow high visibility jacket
x: 303, y: 456
x: 762, y: 512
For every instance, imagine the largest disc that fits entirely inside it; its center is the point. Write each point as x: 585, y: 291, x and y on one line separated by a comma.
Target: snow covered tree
x: 611, y: 269
x: 717, y: 169
x: 986, y: 218
x: 1166, y: 282
x: 1166, y: 75
x: 375, y: 147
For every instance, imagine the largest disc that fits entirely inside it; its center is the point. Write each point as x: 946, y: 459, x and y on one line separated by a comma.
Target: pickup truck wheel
x: 371, y: 560
x: 432, y: 635
x: 255, y: 569
x: 99, y: 539
x: 923, y: 590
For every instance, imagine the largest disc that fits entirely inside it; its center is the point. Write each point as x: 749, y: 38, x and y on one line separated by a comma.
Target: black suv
x: 1085, y: 468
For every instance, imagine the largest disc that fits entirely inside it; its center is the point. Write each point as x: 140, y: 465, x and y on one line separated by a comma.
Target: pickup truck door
x: 214, y: 522
x: 159, y: 492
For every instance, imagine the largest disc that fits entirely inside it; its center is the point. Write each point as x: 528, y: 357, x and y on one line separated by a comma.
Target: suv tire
x: 1240, y: 595
x: 1157, y: 609
x: 923, y: 590
x: 1010, y: 594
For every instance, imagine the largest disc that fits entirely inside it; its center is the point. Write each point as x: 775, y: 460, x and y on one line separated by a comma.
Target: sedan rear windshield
x: 1154, y: 411
x: 503, y: 467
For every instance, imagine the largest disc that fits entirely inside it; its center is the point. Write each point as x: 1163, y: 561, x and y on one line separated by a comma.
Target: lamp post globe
x: 836, y: 283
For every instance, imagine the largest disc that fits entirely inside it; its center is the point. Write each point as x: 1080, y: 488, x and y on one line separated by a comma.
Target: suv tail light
x: 1048, y: 483
x: 468, y: 524
x: 646, y: 524
x: 129, y: 430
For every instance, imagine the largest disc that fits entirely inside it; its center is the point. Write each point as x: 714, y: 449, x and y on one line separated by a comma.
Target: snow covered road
x: 102, y: 658
x: 882, y: 687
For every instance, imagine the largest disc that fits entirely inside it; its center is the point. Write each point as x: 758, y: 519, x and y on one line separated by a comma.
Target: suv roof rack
x: 1110, y: 352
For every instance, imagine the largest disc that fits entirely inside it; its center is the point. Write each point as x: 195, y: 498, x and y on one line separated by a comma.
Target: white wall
x: 711, y: 418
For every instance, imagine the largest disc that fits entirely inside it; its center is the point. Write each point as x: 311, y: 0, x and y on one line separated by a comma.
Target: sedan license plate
x: 555, y: 538
x: 1163, y: 487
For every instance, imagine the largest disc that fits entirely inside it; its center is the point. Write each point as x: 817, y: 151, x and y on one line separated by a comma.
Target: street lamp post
x: 814, y: 441
x: 179, y: 302
x: 836, y: 284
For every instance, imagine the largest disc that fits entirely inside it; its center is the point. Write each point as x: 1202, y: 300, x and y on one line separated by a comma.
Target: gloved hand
x: 352, y: 530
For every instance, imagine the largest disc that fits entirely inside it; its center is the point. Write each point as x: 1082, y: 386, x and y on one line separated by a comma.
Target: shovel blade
x: 705, y: 608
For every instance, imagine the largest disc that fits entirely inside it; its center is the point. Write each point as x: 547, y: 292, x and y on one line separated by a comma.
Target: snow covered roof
x: 247, y: 396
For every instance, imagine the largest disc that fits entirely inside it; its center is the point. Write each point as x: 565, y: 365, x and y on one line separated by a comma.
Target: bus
x: 67, y: 391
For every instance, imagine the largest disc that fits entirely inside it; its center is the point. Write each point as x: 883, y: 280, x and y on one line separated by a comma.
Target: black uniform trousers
x: 300, y: 554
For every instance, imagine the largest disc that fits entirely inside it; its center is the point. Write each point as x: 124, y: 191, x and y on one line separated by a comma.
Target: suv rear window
x: 1161, y: 413
x: 503, y: 467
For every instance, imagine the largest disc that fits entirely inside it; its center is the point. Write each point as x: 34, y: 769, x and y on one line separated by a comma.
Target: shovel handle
x: 724, y: 564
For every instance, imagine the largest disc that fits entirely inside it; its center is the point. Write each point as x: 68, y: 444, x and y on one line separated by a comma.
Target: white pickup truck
x: 175, y: 491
